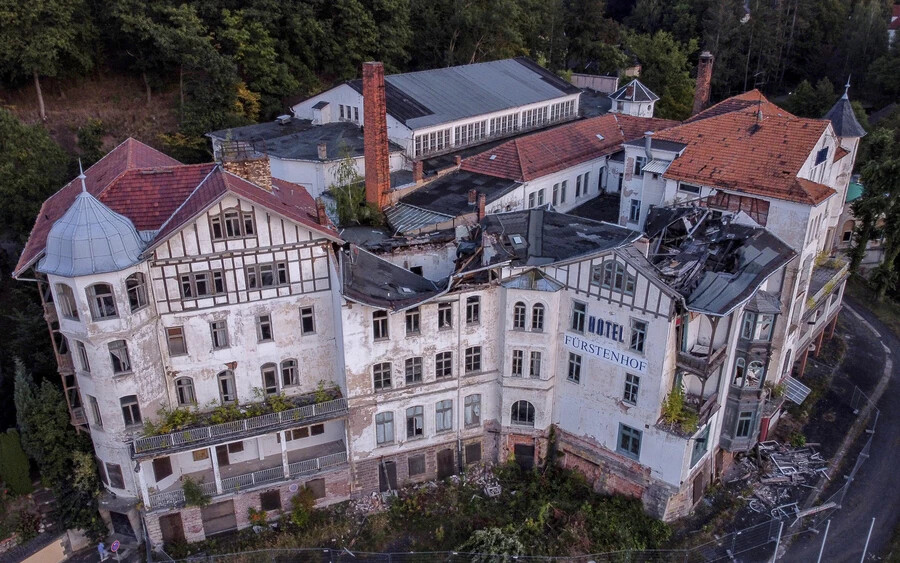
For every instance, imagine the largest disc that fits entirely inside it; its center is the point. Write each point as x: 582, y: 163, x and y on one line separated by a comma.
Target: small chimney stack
x: 458, y: 160
x: 254, y: 168
x: 321, y: 215
x: 482, y: 200
x: 648, y: 141
x: 418, y: 171
x: 704, y: 78
x: 473, y: 196
x: 323, y: 151
x: 375, y: 138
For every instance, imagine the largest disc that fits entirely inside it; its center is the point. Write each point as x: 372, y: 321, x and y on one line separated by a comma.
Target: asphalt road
x: 876, y: 490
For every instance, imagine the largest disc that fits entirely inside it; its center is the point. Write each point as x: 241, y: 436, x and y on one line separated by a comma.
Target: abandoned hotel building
x: 645, y: 288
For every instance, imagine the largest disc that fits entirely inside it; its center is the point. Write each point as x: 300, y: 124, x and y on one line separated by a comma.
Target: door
x: 121, y: 524
x: 222, y: 455
x: 387, y: 476
x: 218, y: 517
x: 524, y: 455
x: 171, y: 528
x: 445, y: 463
x: 699, y: 486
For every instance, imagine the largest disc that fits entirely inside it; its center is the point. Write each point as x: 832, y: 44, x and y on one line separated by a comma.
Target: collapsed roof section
x: 714, y: 262
x: 372, y: 281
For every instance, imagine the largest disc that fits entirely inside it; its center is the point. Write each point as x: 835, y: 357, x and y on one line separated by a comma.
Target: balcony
x: 191, y: 438
x: 699, y: 361
x: 257, y: 473
x: 827, y: 275
x: 693, y: 414
x: 704, y: 408
x: 78, y: 417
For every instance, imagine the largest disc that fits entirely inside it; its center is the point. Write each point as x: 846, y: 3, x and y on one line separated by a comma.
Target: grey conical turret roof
x: 90, y: 238
x: 843, y: 119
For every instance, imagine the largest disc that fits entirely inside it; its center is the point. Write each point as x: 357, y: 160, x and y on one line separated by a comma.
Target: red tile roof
x: 546, y: 152
x: 128, y: 155
x: 840, y: 153
x: 157, y: 192
x: 730, y: 148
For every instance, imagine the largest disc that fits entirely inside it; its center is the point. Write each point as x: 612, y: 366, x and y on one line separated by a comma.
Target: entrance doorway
x: 445, y: 463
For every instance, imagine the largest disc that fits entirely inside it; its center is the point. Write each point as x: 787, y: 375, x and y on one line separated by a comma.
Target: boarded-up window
x: 473, y: 453
x: 218, y: 517
x: 416, y: 465
x: 270, y: 500
x: 200, y: 455
x: 162, y: 468
x: 317, y: 486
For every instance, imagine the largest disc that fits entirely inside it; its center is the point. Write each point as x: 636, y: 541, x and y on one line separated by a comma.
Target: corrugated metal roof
x: 406, y: 218
x: 656, y: 166
x: 796, y: 392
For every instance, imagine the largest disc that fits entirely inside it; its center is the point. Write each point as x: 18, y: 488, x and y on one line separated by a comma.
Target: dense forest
x: 223, y: 63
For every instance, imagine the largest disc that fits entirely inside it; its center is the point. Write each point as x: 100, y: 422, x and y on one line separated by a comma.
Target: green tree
x: 806, y: 101
x: 46, y: 38
x: 593, y: 40
x: 665, y: 69
x: 393, y: 32
x: 884, y: 75
x: 14, y: 463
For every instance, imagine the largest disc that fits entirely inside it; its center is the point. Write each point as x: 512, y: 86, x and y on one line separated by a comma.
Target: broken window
x: 739, y: 369
x: 380, y: 325
x: 537, y: 317
x: 473, y: 310
x: 578, y: 186
x: 473, y: 453
x: 95, y: 410
x: 555, y: 194
x: 136, y: 288
x: 102, y: 301
x: 118, y: 353
x: 384, y: 428
x: 629, y: 441
x: 184, y: 391
x: 443, y: 365
x: 175, y: 341
x: 574, y: 368
x: 227, y: 392
x: 231, y: 224
x: 413, y: 370
x: 522, y: 413
x: 634, y: 211
x: 579, y: 311
x: 562, y: 191
x: 518, y: 360
x: 412, y: 321
x: 162, y: 468
x: 535, y: 364
x: 201, y: 284
x: 519, y: 316
x: 131, y: 413
x: 381, y: 374
x: 270, y: 379
x: 66, y: 299
x: 267, y: 275
x: 614, y: 276
x: 445, y: 315
x: 289, y: 375
x: 638, y: 335
x: 639, y: 162
x: 219, y: 332
x: 701, y: 443
x: 264, y: 328
x: 632, y: 384
x: 443, y: 415
x: 415, y: 422
x: 473, y: 410
x: 307, y: 320
x: 83, y: 357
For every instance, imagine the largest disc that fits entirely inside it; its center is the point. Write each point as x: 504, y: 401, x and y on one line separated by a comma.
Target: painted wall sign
x: 611, y: 330
x: 608, y: 355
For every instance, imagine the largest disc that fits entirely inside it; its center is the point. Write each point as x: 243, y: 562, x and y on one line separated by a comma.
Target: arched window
x: 66, y: 299
x: 136, y: 287
x: 289, y: 373
x: 184, y: 391
x: 739, y: 366
x: 755, y: 373
x: 227, y: 391
x: 270, y: 379
x: 522, y: 413
x: 537, y: 317
x: 102, y: 301
x: 519, y: 316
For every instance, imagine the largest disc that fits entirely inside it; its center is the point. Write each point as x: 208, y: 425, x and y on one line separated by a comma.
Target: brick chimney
x: 375, y: 139
x: 473, y: 196
x: 482, y: 199
x: 322, y: 149
x: 253, y: 168
x: 418, y: 171
x: 704, y: 77
x: 321, y: 216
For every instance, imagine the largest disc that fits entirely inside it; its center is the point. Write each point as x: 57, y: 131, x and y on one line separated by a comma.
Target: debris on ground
x: 367, y: 504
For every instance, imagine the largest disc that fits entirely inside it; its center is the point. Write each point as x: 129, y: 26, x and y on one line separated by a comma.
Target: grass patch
x: 887, y: 312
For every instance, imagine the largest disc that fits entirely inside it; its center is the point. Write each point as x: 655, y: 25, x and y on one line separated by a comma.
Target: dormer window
x: 232, y: 223
x: 614, y: 276
x: 821, y: 156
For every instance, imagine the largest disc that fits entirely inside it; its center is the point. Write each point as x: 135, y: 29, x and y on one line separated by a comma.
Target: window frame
x: 472, y: 410
x: 517, y: 365
x: 473, y: 359
x: 634, y: 211
x: 744, y: 426
x: 631, y: 389
x: 413, y: 322
x: 131, y: 411
x: 516, y: 415
x: 174, y: 335
x: 445, y: 315
x: 213, y: 280
x: 222, y: 331
x: 638, y: 335
x: 184, y: 391
x: 633, y: 435
x: 381, y: 329
x: 126, y: 367
x: 443, y: 365
x: 578, y: 316
x: 382, y: 376
x: 290, y: 368
x: 574, y: 368
x: 520, y: 315
x: 137, y: 292
x: 538, y: 314
x: 384, y: 423
x: 99, y: 303
x: 83, y: 359
x: 443, y: 416
x: 254, y: 275
x: 270, y: 369
x: 415, y: 422
x: 413, y: 370
x: 227, y: 376
x: 68, y: 306
x: 535, y: 359
x: 264, y: 322
x: 231, y: 219
x: 473, y: 310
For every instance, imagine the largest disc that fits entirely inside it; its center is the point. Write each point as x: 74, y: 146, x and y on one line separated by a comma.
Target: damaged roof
x: 537, y: 237
x: 634, y: 91
x: 714, y: 263
x: 369, y: 280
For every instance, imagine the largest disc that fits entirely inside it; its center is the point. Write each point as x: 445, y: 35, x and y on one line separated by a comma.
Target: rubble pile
x: 368, y: 504
x: 482, y: 476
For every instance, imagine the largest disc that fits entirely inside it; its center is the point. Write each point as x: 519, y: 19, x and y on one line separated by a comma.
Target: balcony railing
x: 78, y: 417
x: 700, y: 364
x: 192, y: 437
x: 249, y: 480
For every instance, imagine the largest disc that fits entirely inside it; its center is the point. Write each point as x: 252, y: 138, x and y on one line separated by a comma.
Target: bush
x: 193, y: 494
x: 798, y: 440
x: 27, y: 526
x: 14, y: 470
x: 301, y: 507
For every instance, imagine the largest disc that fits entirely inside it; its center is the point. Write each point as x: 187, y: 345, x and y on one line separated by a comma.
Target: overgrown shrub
x: 14, y: 470
x: 302, y: 505
x: 675, y: 413
x: 193, y: 494
x: 27, y: 525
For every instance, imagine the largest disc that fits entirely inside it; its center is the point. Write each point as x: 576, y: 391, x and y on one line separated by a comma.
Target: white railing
x: 203, y: 433
x: 319, y: 463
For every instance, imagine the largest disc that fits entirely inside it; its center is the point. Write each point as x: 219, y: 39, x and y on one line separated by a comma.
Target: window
x: 846, y: 237
x: 469, y: 133
x: 443, y: 416
x: 416, y: 465
x: 629, y: 441
x: 473, y: 310
x: 270, y: 500
x: 66, y: 298
x: 519, y: 316
x: 688, y: 188
x: 219, y: 331
x: 83, y: 357
x: 136, y: 288
x: 473, y: 453
x: 417, y: 270
x: 755, y: 373
x: 232, y: 224
x: 289, y: 375
x: 473, y: 359
x: 740, y: 366
x: 264, y: 328
x: 473, y: 410
x: 162, y: 468
x: 574, y: 368
x: 235, y: 447
x: 504, y: 124
x: 317, y: 429
x: 639, y: 165
x: 579, y: 311
x: 701, y: 443
x: 522, y: 413
x: 432, y: 142
x: 744, y: 424
x: 443, y: 365
x: 540, y: 197
x: 634, y: 213
x: 555, y: 194
x: 384, y: 428
x: 116, y: 479
x: 578, y: 186
x: 118, y: 354
x: 381, y: 375
x: 184, y: 391
x: 412, y: 321
x: 531, y: 200
x: 270, y: 379
x: 535, y: 364
x: 202, y: 284
x: 587, y: 179
x: 757, y: 327
x: 131, y: 413
x: 415, y: 422
x: 227, y: 392
x: 518, y: 361
x: 747, y: 326
x: 537, y: 317
x: 413, y: 370
x: 95, y: 411
x: 356, y: 114
x: 267, y: 275
x: 613, y: 275
x: 632, y: 384
x: 175, y: 341
x: 445, y: 315
x: 562, y: 191
x: 102, y: 302
x: 821, y: 156
x: 380, y: 325
x: 638, y: 335
x: 307, y: 320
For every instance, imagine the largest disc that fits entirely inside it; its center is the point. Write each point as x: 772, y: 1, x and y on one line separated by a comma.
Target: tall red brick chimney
x: 375, y: 139
x: 704, y: 77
